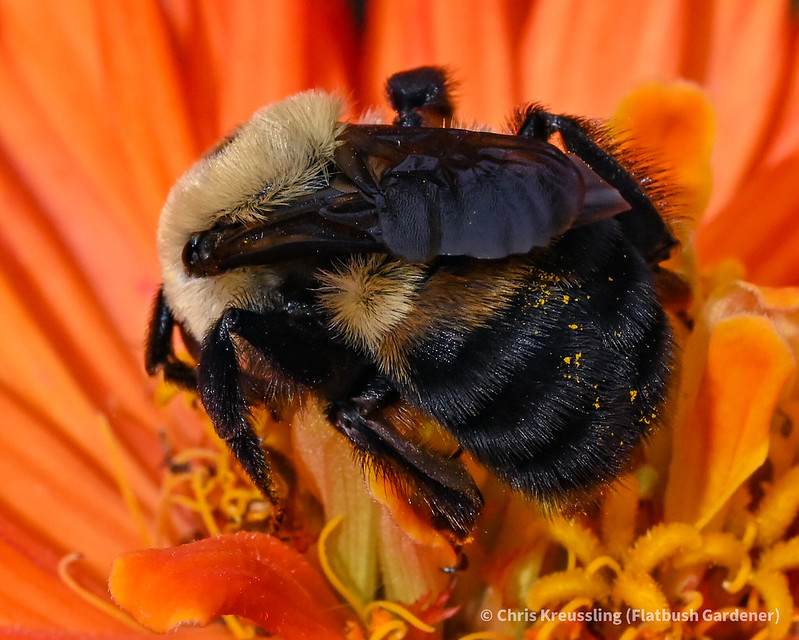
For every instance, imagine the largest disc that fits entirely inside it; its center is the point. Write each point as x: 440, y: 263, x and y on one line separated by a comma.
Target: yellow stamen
x: 750, y: 534
x: 106, y: 607
x: 564, y: 586
x: 577, y: 603
x: 486, y: 635
x: 550, y: 626
x: 187, y: 456
x: 640, y: 591
x: 778, y: 508
x: 332, y: 578
x: 662, y: 542
x: 741, y: 578
x: 693, y: 600
x: 600, y: 563
x: 201, y: 489
x: 164, y: 393
x: 580, y: 543
x: 394, y: 628
x: 239, y: 630
x: 781, y: 556
x: 776, y: 595
x: 402, y: 613
x: 722, y: 549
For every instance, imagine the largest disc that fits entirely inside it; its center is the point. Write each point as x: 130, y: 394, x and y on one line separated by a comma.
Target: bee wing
x: 442, y: 191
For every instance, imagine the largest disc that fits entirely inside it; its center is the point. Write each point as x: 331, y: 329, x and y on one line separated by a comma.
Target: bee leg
x: 643, y: 223
x: 421, y: 97
x: 580, y: 140
x: 303, y: 351
x: 442, y: 485
x: 296, y: 346
x: 159, y: 353
x: 220, y: 392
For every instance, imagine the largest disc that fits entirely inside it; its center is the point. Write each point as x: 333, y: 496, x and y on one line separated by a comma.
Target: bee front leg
x: 296, y: 347
x: 159, y: 354
x: 219, y: 386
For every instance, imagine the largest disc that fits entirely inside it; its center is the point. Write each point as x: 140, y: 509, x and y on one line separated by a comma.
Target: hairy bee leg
x: 220, y: 393
x: 643, y: 224
x: 443, y: 484
x: 542, y: 124
x: 159, y: 354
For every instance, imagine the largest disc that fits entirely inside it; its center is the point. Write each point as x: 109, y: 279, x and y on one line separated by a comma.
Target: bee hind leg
x: 438, y: 484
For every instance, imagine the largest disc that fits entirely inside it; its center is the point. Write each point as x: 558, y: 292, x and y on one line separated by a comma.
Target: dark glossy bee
x: 494, y: 284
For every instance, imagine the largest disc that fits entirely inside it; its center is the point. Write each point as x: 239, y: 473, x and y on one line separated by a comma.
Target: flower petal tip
x: 251, y: 575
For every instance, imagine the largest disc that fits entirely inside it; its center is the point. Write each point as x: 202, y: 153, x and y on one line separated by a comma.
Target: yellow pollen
x: 403, y: 613
x: 633, y: 395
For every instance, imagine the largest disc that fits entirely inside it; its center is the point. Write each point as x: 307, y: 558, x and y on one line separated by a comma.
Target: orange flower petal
x: 746, y: 69
x: 582, y: 57
x: 758, y: 227
x: 785, y: 135
x: 15, y: 633
x: 248, y: 574
x: 251, y: 53
x: 673, y: 124
x: 723, y: 435
x: 471, y: 39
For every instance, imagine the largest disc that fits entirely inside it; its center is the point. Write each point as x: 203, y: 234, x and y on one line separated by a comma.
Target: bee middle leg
x: 295, y: 346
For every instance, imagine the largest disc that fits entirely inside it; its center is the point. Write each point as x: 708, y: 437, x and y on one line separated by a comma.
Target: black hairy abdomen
x: 553, y: 391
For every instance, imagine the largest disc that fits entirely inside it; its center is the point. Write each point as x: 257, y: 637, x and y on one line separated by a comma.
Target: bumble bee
x: 501, y: 286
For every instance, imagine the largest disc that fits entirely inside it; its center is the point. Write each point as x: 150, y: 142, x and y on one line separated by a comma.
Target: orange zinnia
x: 103, y: 106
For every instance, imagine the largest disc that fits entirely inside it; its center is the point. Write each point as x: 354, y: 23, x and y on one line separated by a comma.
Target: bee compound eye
x: 199, y: 253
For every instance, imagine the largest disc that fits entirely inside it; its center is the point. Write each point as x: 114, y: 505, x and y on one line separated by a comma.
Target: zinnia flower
x: 105, y: 104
